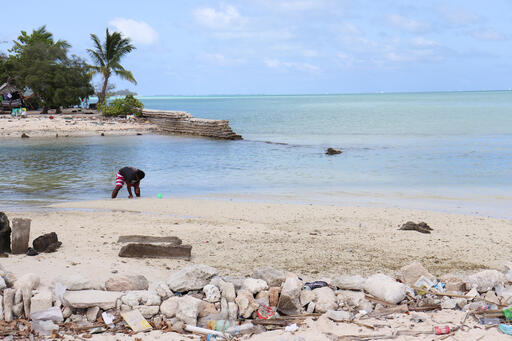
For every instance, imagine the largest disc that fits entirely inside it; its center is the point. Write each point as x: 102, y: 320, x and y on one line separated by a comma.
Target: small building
x: 10, y: 97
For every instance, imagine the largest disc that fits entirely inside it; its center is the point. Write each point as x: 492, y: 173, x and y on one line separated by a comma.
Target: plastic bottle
x: 241, y: 329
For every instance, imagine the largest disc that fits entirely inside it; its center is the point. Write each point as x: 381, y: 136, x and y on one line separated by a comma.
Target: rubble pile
x: 196, y: 299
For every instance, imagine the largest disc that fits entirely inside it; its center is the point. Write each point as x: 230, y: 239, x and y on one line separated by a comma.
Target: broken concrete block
x: 8, y: 303
x: 273, y: 296
x: 77, y: 281
x: 20, y: 235
x: 91, y: 298
x: 41, y: 301
x: 149, y: 239
x: 156, y: 251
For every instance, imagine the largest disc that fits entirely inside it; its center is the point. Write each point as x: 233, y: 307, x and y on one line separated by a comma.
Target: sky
x: 193, y: 47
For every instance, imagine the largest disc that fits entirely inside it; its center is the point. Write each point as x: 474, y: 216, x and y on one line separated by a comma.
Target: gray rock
x: 18, y: 297
x: 132, y: 299
x: 20, y: 235
x: 338, y: 316
x: 289, y: 301
x: 448, y: 303
x: 207, y: 309
x: 273, y: 277
x: 162, y: 289
x: 1, y: 307
x: 170, y: 306
x: 188, y: 309
x: 349, y: 282
x: 325, y: 300
x: 3, y: 285
x: 148, y: 311
x: 17, y: 309
x: 125, y: 283
x: 232, y: 311
x: 306, y: 296
x: 92, y: 313
x: 254, y: 285
x: 212, y: 293
x: 224, y: 309
x: 246, y: 303
x: 151, y: 299
x: 236, y: 281
x: 193, y: 277
x: 67, y: 312
x: 5, y: 233
x: 91, y: 298
x: 311, y: 308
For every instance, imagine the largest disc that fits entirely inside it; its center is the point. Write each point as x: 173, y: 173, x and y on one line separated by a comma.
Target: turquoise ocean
x: 448, y: 151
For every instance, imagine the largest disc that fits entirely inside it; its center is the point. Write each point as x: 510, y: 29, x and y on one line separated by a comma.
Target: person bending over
x: 132, y: 177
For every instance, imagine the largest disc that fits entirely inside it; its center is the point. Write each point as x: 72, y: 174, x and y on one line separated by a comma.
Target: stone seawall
x: 183, y: 123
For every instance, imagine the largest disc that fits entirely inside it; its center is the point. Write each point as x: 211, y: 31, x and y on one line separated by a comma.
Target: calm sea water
x: 445, y: 150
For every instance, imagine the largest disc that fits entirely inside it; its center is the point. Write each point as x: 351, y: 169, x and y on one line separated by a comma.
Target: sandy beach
x: 237, y: 237
x: 316, y: 242
x: 71, y: 124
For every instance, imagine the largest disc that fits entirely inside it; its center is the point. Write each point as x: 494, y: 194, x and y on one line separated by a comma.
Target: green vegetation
x: 122, y: 107
x: 39, y: 63
x: 107, y: 57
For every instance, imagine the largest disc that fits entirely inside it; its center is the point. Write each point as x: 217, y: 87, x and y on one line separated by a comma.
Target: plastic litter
x: 136, y: 321
x: 441, y: 330
x: 51, y: 314
x: 265, y: 312
x: 291, y: 328
x: 241, y: 329
x: 423, y: 283
x: 44, y: 327
x: 508, y: 313
x: 505, y: 328
x: 204, y: 331
x: 489, y: 320
x: 108, y: 319
x: 218, y: 325
x: 316, y: 285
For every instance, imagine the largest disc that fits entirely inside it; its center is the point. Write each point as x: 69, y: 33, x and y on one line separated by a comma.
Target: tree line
x: 57, y: 79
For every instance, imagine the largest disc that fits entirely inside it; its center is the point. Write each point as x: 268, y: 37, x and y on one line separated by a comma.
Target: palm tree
x: 107, y: 57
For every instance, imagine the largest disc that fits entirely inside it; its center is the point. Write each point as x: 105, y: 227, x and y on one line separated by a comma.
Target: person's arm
x: 129, y: 188
x: 137, y: 189
x: 115, y: 191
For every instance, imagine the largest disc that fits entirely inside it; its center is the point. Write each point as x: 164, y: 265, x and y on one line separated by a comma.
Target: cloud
x: 138, y: 31
x: 488, y: 34
x: 277, y: 64
x: 224, y: 17
x: 219, y: 59
x: 422, y: 42
x: 407, y: 24
x: 458, y: 16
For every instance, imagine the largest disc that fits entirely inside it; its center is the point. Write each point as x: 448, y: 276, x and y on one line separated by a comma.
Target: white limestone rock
x: 170, y: 306
x: 485, y: 280
x: 273, y: 277
x: 92, y: 313
x: 325, y: 300
x: 188, y: 309
x: 192, y: 277
x: 347, y: 282
x: 339, y: 315
x: 212, y: 293
x: 254, y: 285
x: 246, y: 303
x: 91, y: 298
x: 385, y: 288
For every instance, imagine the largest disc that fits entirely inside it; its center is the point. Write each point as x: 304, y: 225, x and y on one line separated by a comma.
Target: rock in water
x: 420, y: 227
x: 5, y: 233
x: 20, y: 235
x: 46, y: 243
x: 332, y: 151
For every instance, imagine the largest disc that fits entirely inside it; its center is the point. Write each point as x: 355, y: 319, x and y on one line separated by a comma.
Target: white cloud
x: 458, y: 16
x: 138, y: 31
x: 407, y: 24
x: 422, y: 42
x: 488, y: 34
x: 219, y: 59
x: 300, y: 5
x: 224, y: 17
x: 277, y: 64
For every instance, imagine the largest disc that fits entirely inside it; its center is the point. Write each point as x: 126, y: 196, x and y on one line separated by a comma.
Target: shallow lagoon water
x: 453, y: 149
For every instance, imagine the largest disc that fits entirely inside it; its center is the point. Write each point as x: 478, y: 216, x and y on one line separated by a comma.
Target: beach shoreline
x: 72, y: 123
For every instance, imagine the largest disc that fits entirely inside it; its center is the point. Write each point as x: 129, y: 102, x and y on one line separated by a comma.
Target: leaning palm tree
x: 107, y: 57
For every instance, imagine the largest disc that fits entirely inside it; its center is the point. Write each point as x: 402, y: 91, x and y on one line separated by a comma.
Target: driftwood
x: 149, y: 239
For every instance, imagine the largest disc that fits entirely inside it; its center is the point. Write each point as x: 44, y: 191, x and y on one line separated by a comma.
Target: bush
x: 122, y: 107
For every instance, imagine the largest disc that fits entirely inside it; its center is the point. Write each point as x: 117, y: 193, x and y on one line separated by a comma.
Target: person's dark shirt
x: 129, y: 174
